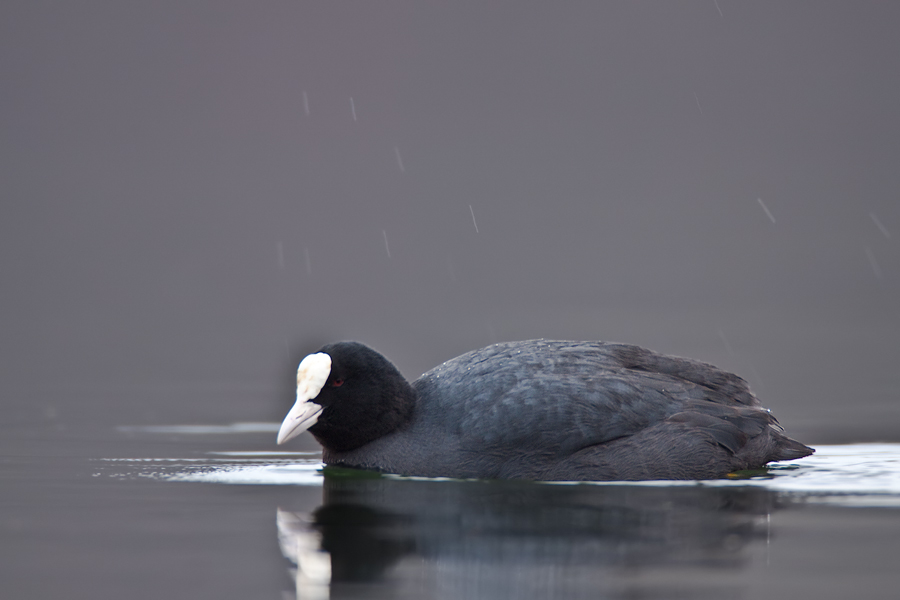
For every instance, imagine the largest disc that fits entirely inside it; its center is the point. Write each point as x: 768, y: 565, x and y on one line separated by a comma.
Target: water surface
x: 209, y: 520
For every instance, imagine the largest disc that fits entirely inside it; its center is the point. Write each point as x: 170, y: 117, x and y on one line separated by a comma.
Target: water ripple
x: 849, y: 475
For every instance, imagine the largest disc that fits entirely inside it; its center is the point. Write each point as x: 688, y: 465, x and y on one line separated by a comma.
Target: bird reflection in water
x: 509, y: 539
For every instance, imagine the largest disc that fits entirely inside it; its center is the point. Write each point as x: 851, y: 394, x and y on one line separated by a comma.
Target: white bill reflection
x: 302, y: 545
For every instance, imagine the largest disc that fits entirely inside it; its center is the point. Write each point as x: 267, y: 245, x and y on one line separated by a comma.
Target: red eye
x: 337, y: 382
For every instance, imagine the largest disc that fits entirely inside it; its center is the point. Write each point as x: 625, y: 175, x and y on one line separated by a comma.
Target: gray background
x: 712, y: 179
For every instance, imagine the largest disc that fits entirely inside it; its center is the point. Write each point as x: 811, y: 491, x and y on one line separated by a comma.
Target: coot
x: 539, y: 410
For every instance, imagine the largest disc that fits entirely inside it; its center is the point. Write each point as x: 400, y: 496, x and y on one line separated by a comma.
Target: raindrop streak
x: 716, y: 2
x: 875, y: 268
x: 700, y: 108
x: 399, y: 159
x: 386, y: 247
x: 766, y: 208
x: 725, y: 341
x: 308, y: 263
x: 305, y: 104
x: 880, y: 227
x: 473, y: 218
x: 352, y: 108
x: 280, y: 247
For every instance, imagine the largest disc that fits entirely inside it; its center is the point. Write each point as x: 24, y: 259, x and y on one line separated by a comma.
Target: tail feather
x: 788, y: 449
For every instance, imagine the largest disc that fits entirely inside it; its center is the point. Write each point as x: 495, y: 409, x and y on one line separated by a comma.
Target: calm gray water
x: 193, y: 196
x: 180, y: 511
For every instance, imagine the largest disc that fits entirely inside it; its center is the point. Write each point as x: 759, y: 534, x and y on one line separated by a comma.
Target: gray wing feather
x: 564, y: 396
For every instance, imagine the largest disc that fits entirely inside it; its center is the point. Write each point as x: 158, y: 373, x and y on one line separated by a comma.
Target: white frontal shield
x: 312, y: 374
